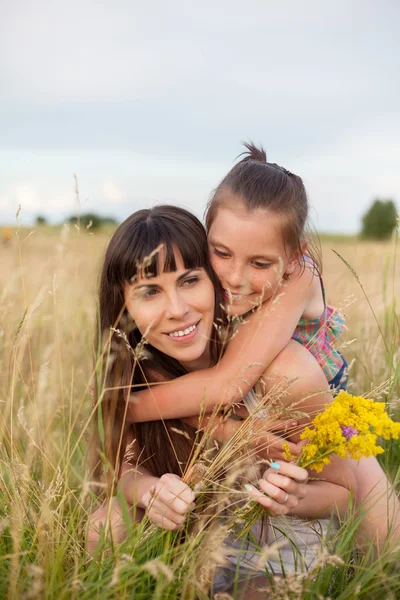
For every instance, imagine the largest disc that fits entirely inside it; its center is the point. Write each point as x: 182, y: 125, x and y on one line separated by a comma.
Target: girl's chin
x: 237, y: 310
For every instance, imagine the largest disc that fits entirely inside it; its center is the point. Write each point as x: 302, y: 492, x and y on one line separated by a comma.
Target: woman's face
x: 175, y: 312
x: 248, y: 254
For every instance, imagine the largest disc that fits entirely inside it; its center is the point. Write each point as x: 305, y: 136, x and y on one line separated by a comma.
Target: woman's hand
x: 168, y: 502
x: 281, y: 487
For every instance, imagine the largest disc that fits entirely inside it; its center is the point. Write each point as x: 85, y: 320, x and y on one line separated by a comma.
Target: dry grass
x: 47, y: 314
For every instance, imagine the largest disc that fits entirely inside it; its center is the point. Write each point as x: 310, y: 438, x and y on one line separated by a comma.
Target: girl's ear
x: 296, y: 258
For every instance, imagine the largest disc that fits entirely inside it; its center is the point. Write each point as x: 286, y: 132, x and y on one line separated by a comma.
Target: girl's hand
x: 270, y: 446
x: 282, y: 486
x: 168, y: 502
x: 263, y: 440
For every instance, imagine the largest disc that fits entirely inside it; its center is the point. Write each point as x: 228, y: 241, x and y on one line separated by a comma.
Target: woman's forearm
x: 377, y: 501
x: 134, y: 482
x: 258, y: 341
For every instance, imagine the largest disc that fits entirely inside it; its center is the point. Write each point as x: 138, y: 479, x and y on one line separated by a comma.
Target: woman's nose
x: 176, y: 306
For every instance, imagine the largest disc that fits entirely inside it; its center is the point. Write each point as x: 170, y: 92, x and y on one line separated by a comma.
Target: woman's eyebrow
x: 145, y: 285
x: 186, y: 273
x: 155, y: 285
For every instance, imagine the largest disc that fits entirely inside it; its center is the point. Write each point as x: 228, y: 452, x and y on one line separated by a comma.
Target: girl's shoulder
x: 316, y: 294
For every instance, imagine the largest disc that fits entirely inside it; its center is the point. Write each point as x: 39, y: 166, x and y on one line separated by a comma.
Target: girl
x: 256, y: 220
x: 174, y: 290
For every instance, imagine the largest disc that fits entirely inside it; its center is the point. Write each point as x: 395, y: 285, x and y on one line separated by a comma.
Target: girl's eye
x: 221, y: 253
x: 261, y: 265
x: 191, y: 281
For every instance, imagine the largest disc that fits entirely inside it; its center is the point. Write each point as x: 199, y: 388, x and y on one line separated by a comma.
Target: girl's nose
x: 234, y: 278
x: 176, y: 307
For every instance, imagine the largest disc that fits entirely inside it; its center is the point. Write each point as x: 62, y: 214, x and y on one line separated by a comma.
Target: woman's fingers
x: 176, y: 492
x: 159, y: 508
x: 169, y: 501
x: 289, y: 469
x: 281, y: 487
x: 275, y: 507
x: 163, y: 521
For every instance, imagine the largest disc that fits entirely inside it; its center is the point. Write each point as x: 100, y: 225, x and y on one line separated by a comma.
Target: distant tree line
x: 378, y: 222
x: 89, y: 221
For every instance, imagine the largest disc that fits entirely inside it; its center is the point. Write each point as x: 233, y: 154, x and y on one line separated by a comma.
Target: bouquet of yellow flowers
x: 350, y: 426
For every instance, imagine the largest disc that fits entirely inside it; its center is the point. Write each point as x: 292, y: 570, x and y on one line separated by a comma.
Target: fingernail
x: 294, y: 424
x: 248, y: 488
x: 275, y: 465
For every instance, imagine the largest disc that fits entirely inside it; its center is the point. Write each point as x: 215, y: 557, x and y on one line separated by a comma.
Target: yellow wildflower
x: 350, y: 426
x: 286, y: 452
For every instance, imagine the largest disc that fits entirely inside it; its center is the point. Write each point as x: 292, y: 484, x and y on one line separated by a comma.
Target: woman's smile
x: 185, y: 333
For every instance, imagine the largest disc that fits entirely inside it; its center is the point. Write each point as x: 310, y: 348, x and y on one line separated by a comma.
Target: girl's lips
x: 235, y: 298
x: 185, y: 338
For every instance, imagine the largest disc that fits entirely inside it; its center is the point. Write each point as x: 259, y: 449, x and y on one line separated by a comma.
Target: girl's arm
x: 258, y: 341
x: 262, y: 439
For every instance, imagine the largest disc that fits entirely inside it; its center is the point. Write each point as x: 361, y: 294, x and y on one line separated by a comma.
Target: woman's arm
x: 256, y: 344
x: 376, y: 498
x: 167, y: 500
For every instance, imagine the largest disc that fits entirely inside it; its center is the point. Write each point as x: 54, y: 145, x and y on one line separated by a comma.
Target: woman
x: 157, y: 283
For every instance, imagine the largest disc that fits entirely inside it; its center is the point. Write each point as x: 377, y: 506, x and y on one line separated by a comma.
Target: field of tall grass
x: 47, y: 315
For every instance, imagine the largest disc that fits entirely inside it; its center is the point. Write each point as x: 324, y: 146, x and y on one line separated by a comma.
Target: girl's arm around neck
x: 258, y: 341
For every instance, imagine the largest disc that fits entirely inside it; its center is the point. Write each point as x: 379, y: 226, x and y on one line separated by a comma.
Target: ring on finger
x: 285, y: 498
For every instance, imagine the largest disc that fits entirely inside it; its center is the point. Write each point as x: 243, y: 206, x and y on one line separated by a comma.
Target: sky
x: 148, y: 102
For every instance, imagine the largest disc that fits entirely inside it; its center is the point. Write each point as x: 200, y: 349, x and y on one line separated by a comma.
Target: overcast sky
x: 147, y: 102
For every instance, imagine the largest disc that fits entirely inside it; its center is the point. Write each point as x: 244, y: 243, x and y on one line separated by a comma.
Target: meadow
x: 48, y: 285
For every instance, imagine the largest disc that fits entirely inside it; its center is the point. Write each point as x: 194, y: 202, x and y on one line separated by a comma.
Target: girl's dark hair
x: 260, y: 184
x: 134, y: 248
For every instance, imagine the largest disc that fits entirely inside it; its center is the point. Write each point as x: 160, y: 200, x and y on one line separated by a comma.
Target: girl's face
x: 175, y: 312
x: 248, y: 254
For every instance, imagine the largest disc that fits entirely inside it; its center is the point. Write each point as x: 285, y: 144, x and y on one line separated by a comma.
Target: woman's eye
x: 150, y: 293
x: 191, y: 281
x: 220, y: 253
x: 261, y: 265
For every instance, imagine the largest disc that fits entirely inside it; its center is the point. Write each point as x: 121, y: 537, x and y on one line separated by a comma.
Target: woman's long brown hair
x: 125, y: 358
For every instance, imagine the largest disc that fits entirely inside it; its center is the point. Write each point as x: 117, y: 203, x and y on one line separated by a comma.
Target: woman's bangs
x: 159, y: 249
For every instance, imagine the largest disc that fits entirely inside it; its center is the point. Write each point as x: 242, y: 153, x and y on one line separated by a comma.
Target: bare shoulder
x: 296, y: 365
x: 294, y: 360
x: 315, y: 301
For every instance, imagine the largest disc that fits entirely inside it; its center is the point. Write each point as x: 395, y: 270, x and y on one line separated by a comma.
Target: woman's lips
x: 182, y: 336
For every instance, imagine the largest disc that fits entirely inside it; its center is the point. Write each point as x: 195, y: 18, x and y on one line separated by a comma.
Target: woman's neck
x: 203, y: 362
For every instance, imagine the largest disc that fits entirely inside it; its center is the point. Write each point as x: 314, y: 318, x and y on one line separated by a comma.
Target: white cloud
x: 26, y: 195
x: 112, y: 193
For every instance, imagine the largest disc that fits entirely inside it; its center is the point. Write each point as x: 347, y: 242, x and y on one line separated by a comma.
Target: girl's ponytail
x: 255, y: 153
